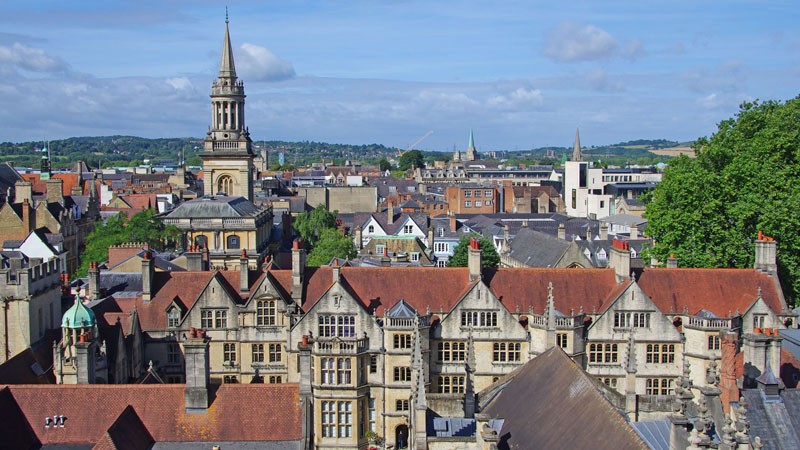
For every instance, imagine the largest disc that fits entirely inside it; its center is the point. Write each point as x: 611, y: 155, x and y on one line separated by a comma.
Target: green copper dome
x: 78, y: 316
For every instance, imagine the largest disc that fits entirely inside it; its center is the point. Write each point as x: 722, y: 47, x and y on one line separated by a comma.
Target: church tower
x: 228, y: 151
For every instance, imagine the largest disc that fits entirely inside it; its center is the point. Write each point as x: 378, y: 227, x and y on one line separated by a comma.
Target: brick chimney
x: 453, y: 223
x: 195, y: 353
x: 28, y: 219
x: 390, y: 214
x: 562, y: 231
x: 634, y: 233
x: 474, y: 259
x: 672, y: 261
x: 336, y: 271
x: 619, y: 259
x: 766, y: 249
x: 603, y: 231
x: 194, y: 259
x: 94, y: 282
x: 298, y: 269
x: 147, y: 276
x: 358, y: 238
x: 729, y: 347
x: 244, y: 272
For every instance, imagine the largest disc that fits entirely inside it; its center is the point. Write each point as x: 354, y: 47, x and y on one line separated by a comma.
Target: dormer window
x: 173, y: 317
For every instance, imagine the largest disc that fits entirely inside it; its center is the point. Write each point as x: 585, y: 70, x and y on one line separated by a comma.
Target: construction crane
x: 411, y: 147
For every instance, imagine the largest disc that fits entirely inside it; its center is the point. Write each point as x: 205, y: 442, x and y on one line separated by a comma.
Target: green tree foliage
x: 142, y: 227
x: 746, y: 178
x: 331, y: 244
x: 460, y: 257
x: 384, y: 164
x: 411, y: 158
x: 310, y: 225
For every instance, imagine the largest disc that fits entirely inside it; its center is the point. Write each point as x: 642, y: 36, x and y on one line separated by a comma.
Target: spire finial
x: 226, y: 14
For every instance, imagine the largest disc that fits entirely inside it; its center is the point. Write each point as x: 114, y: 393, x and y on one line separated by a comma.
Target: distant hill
x: 113, y: 151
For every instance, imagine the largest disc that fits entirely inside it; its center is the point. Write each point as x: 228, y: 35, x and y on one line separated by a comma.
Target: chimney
x: 562, y: 231
x: 729, y: 347
x: 672, y: 261
x: 474, y: 259
x: 244, y: 273
x: 430, y: 236
x: 619, y: 259
x: 306, y: 376
x: 195, y: 353
x: 54, y: 190
x: 603, y: 231
x: 194, y: 259
x: 147, y: 276
x: 634, y: 233
x: 28, y: 221
x: 336, y: 270
x: 390, y: 214
x: 359, y: 238
x: 94, y: 279
x: 766, y: 248
x: 453, y: 224
x: 298, y: 269
x: 22, y: 191
x: 588, y: 232
x: 286, y: 226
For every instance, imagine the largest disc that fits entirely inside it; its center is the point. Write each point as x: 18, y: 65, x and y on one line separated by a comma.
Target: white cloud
x: 598, y: 80
x: 571, y: 41
x: 711, y: 101
x: 30, y: 58
x: 520, y: 97
x: 257, y: 63
x: 633, y: 49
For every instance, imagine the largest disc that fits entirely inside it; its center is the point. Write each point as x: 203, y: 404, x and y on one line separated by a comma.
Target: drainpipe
x: 5, y: 323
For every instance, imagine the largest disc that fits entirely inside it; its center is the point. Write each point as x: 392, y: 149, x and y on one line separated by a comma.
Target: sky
x: 520, y: 74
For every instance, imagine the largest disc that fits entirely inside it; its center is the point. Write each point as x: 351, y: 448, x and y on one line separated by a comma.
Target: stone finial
x: 694, y: 440
x: 728, y: 431
x: 712, y: 375
x: 757, y: 443
x: 742, y: 424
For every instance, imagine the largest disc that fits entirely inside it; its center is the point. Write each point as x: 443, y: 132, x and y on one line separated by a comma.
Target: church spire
x: 576, y: 150
x: 226, y: 68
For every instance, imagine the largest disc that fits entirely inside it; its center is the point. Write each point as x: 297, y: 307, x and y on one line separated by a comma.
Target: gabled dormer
x: 633, y: 311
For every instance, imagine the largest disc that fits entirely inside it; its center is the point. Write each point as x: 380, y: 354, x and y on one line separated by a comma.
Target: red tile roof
x: 720, y: 291
x: 238, y: 412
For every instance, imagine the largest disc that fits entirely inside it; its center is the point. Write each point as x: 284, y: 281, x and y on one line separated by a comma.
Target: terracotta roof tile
x: 126, y: 433
x: 721, y: 291
x: 238, y: 412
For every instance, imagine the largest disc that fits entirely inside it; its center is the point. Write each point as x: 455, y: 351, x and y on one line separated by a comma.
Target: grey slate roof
x: 776, y: 423
x: 655, y: 433
x: 536, y: 249
x: 215, y: 206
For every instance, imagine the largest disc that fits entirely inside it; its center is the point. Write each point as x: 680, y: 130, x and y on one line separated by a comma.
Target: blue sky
x: 521, y: 74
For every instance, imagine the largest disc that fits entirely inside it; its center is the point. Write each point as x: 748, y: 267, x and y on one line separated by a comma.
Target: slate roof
x: 215, y: 206
x: 536, y: 249
x: 776, y: 423
x: 238, y: 412
x: 552, y: 403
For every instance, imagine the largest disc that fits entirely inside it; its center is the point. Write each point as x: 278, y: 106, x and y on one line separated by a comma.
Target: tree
x: 332, y: 243
x: 384, y: 165
x: 142, y: 227
x: 460, y: 257
x: 745, y: 178
x: 311, y: 224
x: 411, y: 158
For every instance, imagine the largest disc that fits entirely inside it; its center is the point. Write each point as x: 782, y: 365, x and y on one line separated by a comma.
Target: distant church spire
x: 472, y: 154
x: 576, y: 150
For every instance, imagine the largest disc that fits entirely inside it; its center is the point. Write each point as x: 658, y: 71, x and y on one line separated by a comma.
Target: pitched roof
x: 238, y: 412
x: 536, y: 249
x: 126, y: 433
x: 217, y: 206
x: 552, y: 403
x: 720, y: 291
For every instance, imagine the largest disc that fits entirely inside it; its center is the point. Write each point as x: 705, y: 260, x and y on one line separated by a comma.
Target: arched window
x: 371, y: 229
x: 225, y: 185
x: 173, y: 317
x: 232, y: 242
x: 201, y: 241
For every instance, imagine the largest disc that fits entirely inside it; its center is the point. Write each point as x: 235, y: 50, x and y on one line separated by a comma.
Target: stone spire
x: 742, y: 424
x: 550, y: 317
x: 576, y: 149
x: 472, y: 153
x: 227, y: 69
